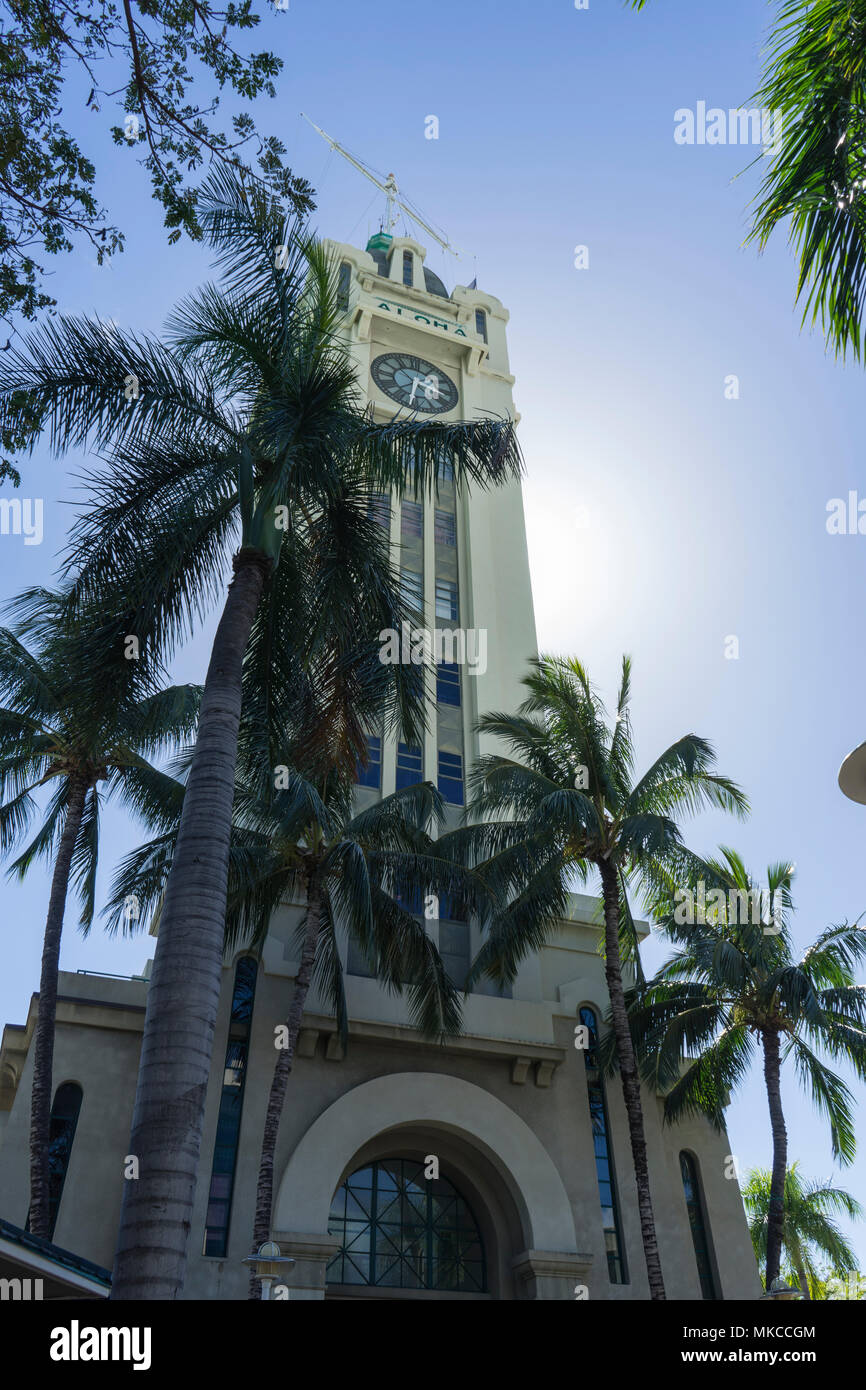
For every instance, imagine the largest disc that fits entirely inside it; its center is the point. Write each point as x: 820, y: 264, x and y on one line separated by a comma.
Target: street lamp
x: 782, y: 1292
x: 852, y: 775
x: 266, y: 1265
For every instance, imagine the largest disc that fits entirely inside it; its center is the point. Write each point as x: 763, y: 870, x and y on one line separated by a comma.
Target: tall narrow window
x: 61, y: 1133
x: 408, y: 268
x: 451, y: 777
x: 603, y: 1155
x: 446, y: 600
x: 219, y: 1203
x: 412, y: 589
x: 448, y: 683
x: 343, y: 286
x: 445, y: 468
x: 481, y: 324
x: 408, y: 765
x: 700, y: 1236
x: 412, y: 519
x: 445, y: 527
x: 379, y: 509
x: 371, y: 775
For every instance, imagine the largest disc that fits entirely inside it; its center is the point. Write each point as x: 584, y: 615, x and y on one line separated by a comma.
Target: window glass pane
x: 700, y: 1237
x: 230, y: 1109
x: 448, y: 683
x: 604, y: 1167
x: 446, y: 600
x: 445, y: 527
x: 481, y: 324
x: 412, y: 589
x: 418, y: 1233
x: 408, y: 765
x: 412, y: 519
x: 451, y: 777
x: 371, y: 775
x: 379, y: 509
x: 343, y: 286
x: 407, y: 267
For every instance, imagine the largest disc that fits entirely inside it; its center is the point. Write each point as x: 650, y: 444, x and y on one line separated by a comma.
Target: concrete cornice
x: 542, y: 1059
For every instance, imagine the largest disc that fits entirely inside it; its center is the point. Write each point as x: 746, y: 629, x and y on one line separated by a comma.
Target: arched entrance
x: 489, y: 1154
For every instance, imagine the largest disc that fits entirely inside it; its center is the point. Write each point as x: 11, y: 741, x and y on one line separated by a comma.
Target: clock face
x: 416, y: 384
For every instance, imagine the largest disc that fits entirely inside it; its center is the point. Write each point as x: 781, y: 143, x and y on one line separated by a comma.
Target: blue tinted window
x: 407, y: 267
x: 451, y: 777
x: 603, y: 1156
x: 231, y: 1106
x: 371, y: 775
x: 700, y: 1237
x: 408, y: 765
x: 448, y: 683
x: 481, y: 324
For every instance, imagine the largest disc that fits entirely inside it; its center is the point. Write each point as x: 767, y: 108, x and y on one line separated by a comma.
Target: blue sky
x: 662, y: 517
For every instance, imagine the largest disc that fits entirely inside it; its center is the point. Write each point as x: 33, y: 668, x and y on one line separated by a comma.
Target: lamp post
x: 266, y: 1265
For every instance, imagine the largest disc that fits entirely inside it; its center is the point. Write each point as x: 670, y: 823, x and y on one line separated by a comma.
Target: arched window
x: 700, y: 1235
x: 219, y: 1202
x: 344, y: 285
x: 603, y: 1155
x: 400, y: 1230
x: 61, y: 1133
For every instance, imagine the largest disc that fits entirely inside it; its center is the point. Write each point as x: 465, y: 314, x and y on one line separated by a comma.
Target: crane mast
x: 389, y: 188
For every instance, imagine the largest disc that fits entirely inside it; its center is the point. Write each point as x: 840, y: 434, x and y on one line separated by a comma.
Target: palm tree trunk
x: 776, y: 1213
x: 285, y: 1059
x: 176, y: 1049
x: 43, y: 1043
x: 629, y: 1076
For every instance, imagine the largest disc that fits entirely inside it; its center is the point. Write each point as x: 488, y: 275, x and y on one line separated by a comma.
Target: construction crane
x: 389, y: 188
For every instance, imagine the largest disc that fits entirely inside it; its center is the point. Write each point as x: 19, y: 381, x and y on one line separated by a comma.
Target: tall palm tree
x: 809, y: 1229
x: 75, y: 713
x: 736, y: 984
x: 568, y: 806
x: 221, y: 438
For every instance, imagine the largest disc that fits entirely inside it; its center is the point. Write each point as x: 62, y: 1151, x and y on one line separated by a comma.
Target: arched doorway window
x: 398, y: 1229
x: 700, y: 1235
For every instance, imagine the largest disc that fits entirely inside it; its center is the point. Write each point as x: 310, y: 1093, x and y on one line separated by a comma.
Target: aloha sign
x: 404, y: 311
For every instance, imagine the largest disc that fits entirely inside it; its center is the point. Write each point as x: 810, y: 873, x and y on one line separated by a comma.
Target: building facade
x: 493, y: 1166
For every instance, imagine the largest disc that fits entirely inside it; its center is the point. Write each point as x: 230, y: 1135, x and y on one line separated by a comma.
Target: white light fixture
x: 852, y: 775
x: 266, y: 1265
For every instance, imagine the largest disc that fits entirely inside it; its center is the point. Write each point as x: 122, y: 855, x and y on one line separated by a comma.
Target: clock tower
x: 462, y: 554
